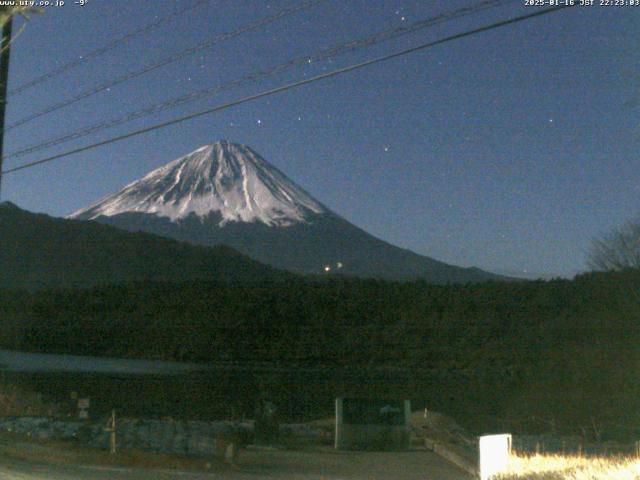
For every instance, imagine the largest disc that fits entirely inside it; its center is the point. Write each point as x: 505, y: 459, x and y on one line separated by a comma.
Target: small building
x: 372, y: 424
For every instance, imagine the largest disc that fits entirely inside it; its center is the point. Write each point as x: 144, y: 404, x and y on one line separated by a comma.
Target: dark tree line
x: 564, y: 351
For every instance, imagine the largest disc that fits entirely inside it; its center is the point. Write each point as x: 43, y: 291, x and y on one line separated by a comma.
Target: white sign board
x: 494, y: 455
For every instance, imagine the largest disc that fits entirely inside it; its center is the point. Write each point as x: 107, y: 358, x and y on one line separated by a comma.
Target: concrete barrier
x: 494, y: 452
x: 489, y: 459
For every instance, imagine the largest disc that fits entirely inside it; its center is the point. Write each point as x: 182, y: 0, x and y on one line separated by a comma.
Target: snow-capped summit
x: 227, y: 194
x: 225, y: 178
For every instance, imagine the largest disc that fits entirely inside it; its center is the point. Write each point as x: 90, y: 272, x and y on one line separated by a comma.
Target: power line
x: 291, y: 86
x: 322, y: 55
x: 93, y: 54
x: 166, y: 61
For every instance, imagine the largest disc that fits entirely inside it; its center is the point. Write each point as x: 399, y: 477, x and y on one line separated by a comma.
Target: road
x: 323, y: 464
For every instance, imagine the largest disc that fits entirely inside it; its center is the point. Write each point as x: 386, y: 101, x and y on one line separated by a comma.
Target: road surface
x: 324, y: 464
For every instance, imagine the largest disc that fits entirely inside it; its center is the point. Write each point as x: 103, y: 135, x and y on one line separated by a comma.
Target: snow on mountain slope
x: 224, y: 177
x: 227, y: 194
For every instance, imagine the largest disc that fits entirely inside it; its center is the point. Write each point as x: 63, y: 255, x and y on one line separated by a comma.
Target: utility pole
x: 5, y: 52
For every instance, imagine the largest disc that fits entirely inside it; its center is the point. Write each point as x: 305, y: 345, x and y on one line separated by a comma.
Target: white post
x: 339, y: 419
x: 407, y: 423
x: 111, y: 428
x: 494, y: 454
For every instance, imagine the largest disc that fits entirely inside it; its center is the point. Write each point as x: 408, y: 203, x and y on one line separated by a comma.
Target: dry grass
x: 558, y: 467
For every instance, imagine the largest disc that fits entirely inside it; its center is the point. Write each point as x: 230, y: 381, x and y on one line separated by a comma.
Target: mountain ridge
x: 231, y: 195
x: 40, y: 251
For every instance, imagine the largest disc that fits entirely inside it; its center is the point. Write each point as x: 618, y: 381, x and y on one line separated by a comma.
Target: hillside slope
x: 40, y: 251
x: 225, y: 193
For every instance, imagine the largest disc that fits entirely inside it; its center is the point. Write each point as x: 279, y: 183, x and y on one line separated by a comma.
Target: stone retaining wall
x: 167, y: 436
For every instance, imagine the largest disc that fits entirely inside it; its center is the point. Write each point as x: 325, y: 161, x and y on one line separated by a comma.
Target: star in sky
x: 471, y: 106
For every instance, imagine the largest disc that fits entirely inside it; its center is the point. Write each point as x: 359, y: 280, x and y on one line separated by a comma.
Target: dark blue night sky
x: 508, y: 150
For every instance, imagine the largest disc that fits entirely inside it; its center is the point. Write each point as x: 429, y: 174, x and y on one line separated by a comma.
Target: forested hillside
x: 39, y: 251
x: 557, y: 355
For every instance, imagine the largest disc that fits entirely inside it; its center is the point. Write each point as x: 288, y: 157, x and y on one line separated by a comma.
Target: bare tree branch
x: 617, y: 249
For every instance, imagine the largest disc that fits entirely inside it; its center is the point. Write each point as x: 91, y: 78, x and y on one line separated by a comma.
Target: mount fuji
x: 225, y: 193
